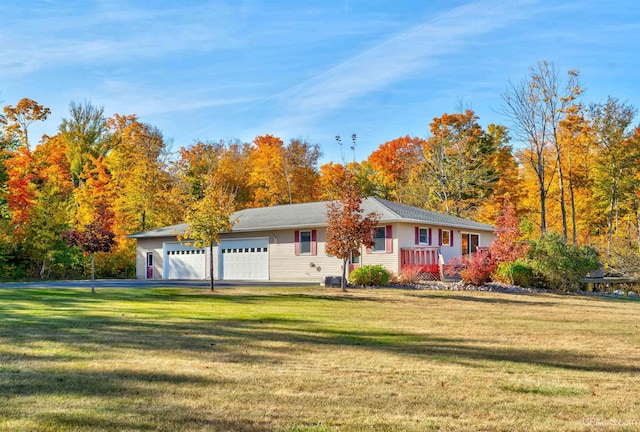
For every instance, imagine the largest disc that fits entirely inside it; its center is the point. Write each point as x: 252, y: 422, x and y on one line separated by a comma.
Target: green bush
x: 517, y: 273
x: 560, y: 265
x: 119, y: 263
x: 369, y: 275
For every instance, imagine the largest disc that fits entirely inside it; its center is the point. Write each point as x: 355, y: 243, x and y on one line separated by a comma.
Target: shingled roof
x: 312, y: 215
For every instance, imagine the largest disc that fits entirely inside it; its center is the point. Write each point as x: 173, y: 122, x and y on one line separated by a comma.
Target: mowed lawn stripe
x: 315, y: 359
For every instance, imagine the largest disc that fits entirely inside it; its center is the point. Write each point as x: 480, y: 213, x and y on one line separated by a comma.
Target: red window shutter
x: 296, y: 239
x: 314, y: 247
x: 388, y: 239
x: 417, y: 235
x: 439, y: 237
x: 451, y: 238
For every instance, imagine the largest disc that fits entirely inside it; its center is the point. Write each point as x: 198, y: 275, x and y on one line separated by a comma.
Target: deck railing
x: 423, y: 261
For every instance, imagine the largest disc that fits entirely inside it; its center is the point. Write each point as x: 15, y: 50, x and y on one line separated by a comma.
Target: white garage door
x: 184, y: 262
x: 246, y: 259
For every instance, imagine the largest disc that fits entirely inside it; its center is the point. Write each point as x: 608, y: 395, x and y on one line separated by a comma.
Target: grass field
x: 315, y: 359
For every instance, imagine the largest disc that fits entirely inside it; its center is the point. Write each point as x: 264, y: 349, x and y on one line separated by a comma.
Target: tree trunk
x: 543, y: 210
x: 614, y: 193
x: 343, y: 282
x: 211, y: 265
x: 563, y: 209
x: 573, y: 215
x: 44, y: 265
x: 574, y: 229
x: 543, y: 196
x: 635, y: 208
x: 93, y: 274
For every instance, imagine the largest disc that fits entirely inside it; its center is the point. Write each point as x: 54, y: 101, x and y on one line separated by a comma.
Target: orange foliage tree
x: 19, y: 118
x: 21, y: 189
x: 347, y: 229
x: 393, y: 163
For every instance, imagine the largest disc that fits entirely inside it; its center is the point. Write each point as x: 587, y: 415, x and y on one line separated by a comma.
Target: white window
x: 380, y: 239
x: 305, y: 242
x: 423, y: 235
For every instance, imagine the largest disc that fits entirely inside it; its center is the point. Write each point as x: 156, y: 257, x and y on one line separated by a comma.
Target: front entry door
x: 149, y: 265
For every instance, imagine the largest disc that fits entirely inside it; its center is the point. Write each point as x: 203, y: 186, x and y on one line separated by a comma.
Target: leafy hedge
x: 518, y: 272
x: 369, y: 275
x: 559, y: 265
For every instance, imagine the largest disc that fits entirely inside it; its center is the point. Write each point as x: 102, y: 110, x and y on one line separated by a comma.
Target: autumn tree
x: 97, y: 193
x: 196, y: 165
x: 509, y: 182
x: 393, y: 163
x: 283, y: 174
x: 536, y: 106
x: 455, y: 170
x: 300, y: 166
x: 86, y: 135
x: 617, y: 157
x: 20, y: 189
x: 52, y: 201
x: 332, y: 176
x: 347, y: 228
x: 575, y: 134
x: 268, y: 179
x: 18, y: 119
x: 234, y: 172
x: 94, y: 237
x: 207, y: 218
x: 229, y: 163
x: 509, y: 244
x: 137, y: 163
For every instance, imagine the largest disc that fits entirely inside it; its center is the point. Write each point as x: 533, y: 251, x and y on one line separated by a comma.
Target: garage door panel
x: 246, y: 259
x: 184, y: 262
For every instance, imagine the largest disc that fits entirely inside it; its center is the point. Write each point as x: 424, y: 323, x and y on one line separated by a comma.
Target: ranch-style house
x: 287, y: 243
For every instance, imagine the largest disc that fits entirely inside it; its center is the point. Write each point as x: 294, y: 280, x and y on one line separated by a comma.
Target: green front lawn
x: 314, y: 359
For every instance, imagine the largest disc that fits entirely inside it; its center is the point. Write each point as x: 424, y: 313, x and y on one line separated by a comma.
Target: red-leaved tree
x: 94, y: 237
x: 348, y: 229
x: 509, y: 245
x: 474, y: 268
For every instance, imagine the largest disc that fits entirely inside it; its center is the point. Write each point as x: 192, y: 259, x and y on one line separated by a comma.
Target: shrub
x: 369, y: 275
x: 562, y: 266
x: 517, y: 273
x: 119, y: 263
x: 475, y: 268
x: 409, y: 274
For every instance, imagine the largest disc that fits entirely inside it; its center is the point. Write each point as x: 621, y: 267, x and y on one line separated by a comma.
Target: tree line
x: 567, y: 165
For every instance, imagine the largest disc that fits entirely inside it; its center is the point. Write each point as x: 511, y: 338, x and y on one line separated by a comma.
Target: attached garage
x: 184, y: 262
x: 288, y: 242
x: 244, y: 259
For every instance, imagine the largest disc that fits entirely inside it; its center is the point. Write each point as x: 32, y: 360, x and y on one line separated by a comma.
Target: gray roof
x: 311, y: 215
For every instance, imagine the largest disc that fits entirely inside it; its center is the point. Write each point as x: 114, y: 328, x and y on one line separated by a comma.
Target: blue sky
x: 305, y: 69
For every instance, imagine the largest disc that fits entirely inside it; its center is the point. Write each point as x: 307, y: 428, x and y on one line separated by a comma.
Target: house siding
x: 286, y: 265
x: 150, y: 245
x: 389, y: 260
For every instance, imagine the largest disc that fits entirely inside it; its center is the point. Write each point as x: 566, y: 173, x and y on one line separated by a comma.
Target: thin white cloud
x: 299, y: 107
x: 113, y: 34
x: 395, y: 59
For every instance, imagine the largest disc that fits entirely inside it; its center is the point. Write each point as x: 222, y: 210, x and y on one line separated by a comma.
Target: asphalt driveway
x: 140, y: 283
